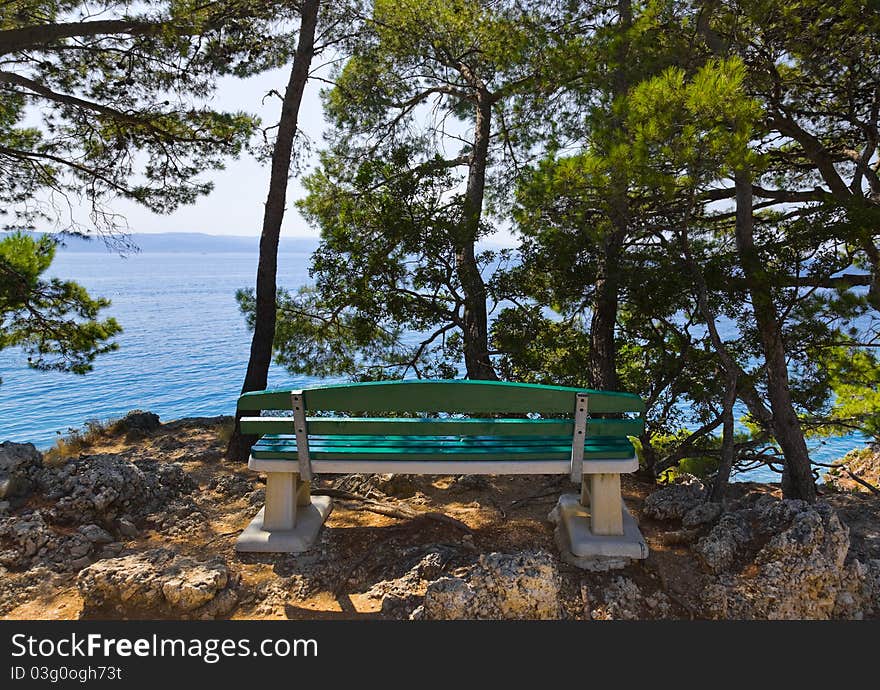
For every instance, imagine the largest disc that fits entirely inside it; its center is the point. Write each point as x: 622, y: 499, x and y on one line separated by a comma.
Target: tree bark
x: 475, y: 318
x: 606, y: 289
x: 728, y: 447
x: 649, y: 457
x: 40, y: 35
x: 873, y: 254
x: 267, y: 268
x: 797, y: 478
x: 603, y: 349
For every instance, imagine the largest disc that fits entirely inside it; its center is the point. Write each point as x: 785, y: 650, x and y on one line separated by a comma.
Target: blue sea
x: 184, y: 348
x: 183, y: 351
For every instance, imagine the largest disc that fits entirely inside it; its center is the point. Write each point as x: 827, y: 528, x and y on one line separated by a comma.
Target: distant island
x: 191, y: 242
x: 185, y: 242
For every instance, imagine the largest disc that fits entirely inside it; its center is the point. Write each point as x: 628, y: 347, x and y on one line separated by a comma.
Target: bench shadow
x: 348, y: 612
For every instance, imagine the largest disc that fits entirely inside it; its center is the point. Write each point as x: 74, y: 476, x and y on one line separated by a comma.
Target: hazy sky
x: 235, y: 207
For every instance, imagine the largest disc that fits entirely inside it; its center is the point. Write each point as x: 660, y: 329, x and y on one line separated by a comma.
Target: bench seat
x: 441, y: 455
x: 459, y: 448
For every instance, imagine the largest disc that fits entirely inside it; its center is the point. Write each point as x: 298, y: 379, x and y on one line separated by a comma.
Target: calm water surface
x: 183, y: 351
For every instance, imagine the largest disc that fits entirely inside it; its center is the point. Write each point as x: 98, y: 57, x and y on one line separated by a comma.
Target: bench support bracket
x: 301, y: 429
x: 579, y: 437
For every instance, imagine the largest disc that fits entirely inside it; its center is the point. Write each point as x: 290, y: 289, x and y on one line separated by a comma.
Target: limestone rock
x: 96, y: 534
x: 26, y: 534
x: 622, y: 599
x: 112, y: 549
x: 500, y: 586
x: 179, y: 517
x: 20, y: 463
x: 100, y: 488
x: 784, y: 559
x: 156, y: 583
x: 702, y: 514
x: 871, y: 578
x: 401, y: 596
x: 674, y: 501
x: 864, y: 463
x: 29, y: 540
x: 728, y: 539
x: 103, y: 496
x: 233, y: 486
x: 126, y: 528
x: 195, y: 587
x: 137, y: 424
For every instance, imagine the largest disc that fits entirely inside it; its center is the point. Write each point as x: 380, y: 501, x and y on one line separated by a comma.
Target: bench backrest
x: 556, y: 404
x: 460, y: 396
x: 565, y: 416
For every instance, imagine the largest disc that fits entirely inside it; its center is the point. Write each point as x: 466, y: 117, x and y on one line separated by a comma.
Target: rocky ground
x: 858, y: 470
x: 142, y: 523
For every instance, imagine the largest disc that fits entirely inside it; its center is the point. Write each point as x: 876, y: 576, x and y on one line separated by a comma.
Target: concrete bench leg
x: 585, y: 491
x: 290, y: 520
x: 281, y: 495
x: 594, y: 530
x: 606, y: 505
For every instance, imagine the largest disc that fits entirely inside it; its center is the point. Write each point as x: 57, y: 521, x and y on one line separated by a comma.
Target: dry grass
x: 224, y: 432
x: 76, y: 441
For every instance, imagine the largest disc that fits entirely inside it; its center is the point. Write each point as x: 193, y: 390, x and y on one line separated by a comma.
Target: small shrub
x: 699, y: 466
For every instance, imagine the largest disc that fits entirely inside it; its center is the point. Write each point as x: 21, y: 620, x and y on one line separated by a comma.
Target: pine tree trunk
x: 797, y: 478
x: 873, y: 254
x: 603, y: 350
x: 649, y: 457
x: 267, y: 269
x: 475, y: 318
x: 728, y: 448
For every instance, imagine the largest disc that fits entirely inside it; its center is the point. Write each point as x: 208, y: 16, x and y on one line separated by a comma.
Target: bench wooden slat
x: 443, y: 396
x: 488, y: 442
x: 442, y: 427
x: 426, y: 448
x: 365, y: 459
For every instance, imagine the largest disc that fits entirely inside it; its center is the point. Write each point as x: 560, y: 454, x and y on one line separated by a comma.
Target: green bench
x: 474, y: 427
